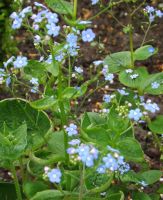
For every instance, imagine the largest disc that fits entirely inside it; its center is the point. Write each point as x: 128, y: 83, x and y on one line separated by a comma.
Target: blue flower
x: 34, y: 81
x: 88, y: 35
x: 151, y: 50
x: 20, y: 62
x: 101, y: 169
x: 37, y: 39
x: 135, y: 114
x: 53, y: 30
x: 74, y: 142
x: 72, y: 130
x: 52, y: 17
x: 79, y: 70
x: 143, y: 183
x: 17, y: 23
x: 155, y: 85
x: 26, y: 10
x: 152, y: 107
x: 107, y: 98
x: 55, y: 175
x: 10, y: 60
x: 150, y: 9
x: 60, y: 56
x: 123, y: 92
x: 159, y: 13
x: 72, y: 40
x: 109, y: 77
x: 94, y: 2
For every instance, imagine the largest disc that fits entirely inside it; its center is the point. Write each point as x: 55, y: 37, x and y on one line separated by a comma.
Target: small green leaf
x: 60, y: 6
x: 53, y: 68
x: 44, y: 103
x: 156, y: 125
x: 143, y: 53
x: 118, y: 61
x: 48, y: 195
x: 116, y: 196
x: 131, y: 149
x: 69, y: 92
x: 140, y: 196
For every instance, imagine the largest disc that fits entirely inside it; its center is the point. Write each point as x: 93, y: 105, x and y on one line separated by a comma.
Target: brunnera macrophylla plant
x: 61, y: 153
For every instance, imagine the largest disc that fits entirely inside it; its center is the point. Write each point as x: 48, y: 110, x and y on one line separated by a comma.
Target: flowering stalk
x: 82, y: 173
x: 131, y: 45
x: 75, y: 9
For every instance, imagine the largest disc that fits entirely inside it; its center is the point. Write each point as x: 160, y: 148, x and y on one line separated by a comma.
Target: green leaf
x: 56, y: 143
x: 16, y: 111
x: 143, y: 53
x: 98, y: 135
x: 52, y: 68
x: 116, y: 196
x: 151, y: 176
x: 138, y: 82
x: 48, y: 195
x: 131, y: 149
x: 118, y: 61
x: 44, y: 103
x: 130, y: 176
x: 7, y: 191
x: 13, y: 143
x: 140, y: 196
x: 92, y: 118
x: 60, y: 6
x: 31, y: 188
x: 158, y: 77
x: 69, y: 92
x: 156, y: 125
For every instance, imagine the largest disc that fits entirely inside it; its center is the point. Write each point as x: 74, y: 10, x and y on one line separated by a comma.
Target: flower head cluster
x: 34, y: 82
x: 135, y: 114
x: 87, y: 154
x: 152, y: 13
x: 20, y: 62
x: 18, y: 17
x: 72, y: 130
x: 108, y: 76
x: 107, y: 98
x: 149, y: 106
x: 113, y: 162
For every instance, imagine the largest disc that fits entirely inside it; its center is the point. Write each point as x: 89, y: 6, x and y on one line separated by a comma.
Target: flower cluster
x: 152, y: 13
x: 135, y: 114
x: 87, y: 154
x: 34, y: 82
x: 108, y: 76
x: 149, y: 106
x: 113, y: 162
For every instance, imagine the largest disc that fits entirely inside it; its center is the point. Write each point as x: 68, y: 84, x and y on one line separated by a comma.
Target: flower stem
x: 131, y: 45
x: 16, y: 183
x: 82, y: 173
x: 75, y: 9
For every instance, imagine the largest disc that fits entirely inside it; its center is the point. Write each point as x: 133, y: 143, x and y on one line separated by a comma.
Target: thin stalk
x: 69, y: 71
x: 131, y: 46
x: 16, y: 183
x: 75, y: 9
x: 22, y: 169
x: 82, y: 173
x: 146, y: 33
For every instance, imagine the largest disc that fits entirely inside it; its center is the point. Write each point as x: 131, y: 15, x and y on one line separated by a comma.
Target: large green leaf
x: 116, y: 196
x: 118, y: 61
x: 60, y: 6
x: 48, y: 195
x: 13, y: 143
x: 156, y: 125
x: 140, y: 196
x: 131, y: 149
x: 56, y: 143
x: 98, y: 135
x: 143, y: 53
x: 14, y: 112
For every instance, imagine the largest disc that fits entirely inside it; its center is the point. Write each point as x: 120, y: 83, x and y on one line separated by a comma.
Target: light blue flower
x: 37, y: 39
x: 152, y: 107
x: 71, y: 151
x: 123, y: 92
x: 143, y: 183
x: 26, y: 10
x: 101, y: 169
x: 39, y: 5
x: 94, y: 2
x: 60, y: 56
x: 88, y: 35
x: 10, y: 60
x: 110, y: 162
x: 72, y: 130
x: 112, y: 149
x: 72, y: 51
x: 53, y: 30
x: 34, y: 81
x: 135, y: 114
x: 151, y: 50
x: 8, y: 81
x: 109, y: 77
x: 79, y: 70
x: 150, y: 9
x: 107, y: 98
x: 72, y: 40
x: 98, y: 62
x: 54, y: 176
x: 17, y: 23
x: 52, y: 17
x: 155, y: 85
x: 74, y: 142
x: 159, y: 13
x: 20, y: 62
